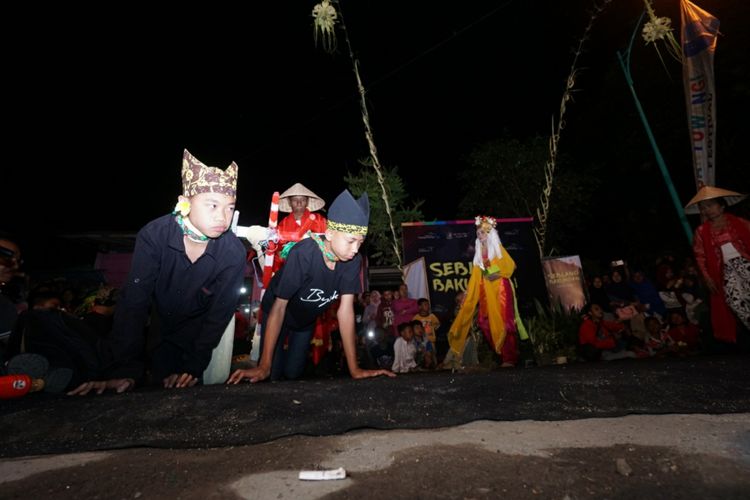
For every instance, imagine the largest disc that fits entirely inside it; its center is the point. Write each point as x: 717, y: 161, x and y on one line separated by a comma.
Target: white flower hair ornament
x: 182, y: 208
x: 483, y: 219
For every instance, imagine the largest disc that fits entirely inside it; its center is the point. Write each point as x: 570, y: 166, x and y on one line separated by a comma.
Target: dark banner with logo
x: 565, y: 281
x: 447, y: 248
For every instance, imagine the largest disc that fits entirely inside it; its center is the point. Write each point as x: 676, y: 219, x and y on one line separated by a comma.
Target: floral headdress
x: 483, y: 219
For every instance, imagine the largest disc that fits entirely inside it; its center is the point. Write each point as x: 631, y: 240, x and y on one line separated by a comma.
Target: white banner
x: 415, y: 277
x: 698, y: 38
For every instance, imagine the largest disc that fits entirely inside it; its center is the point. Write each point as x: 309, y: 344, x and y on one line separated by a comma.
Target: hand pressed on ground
x: 119, y: 385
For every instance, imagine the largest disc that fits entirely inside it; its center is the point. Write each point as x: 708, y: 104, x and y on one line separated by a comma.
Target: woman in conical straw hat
x: 722, y: 252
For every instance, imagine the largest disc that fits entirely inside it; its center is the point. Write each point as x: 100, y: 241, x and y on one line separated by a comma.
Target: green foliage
x: 379, y: 243
x: 553, y: 332
x: 505, y: 178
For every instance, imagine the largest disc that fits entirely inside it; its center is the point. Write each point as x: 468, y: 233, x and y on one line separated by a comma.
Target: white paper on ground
x: 322, y: 475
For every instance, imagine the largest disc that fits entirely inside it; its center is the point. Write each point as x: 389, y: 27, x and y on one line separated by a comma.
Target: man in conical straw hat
x: 722, y: 251
x: 301, y: 202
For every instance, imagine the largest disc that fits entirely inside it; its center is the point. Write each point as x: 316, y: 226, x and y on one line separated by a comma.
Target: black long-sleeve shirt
x: 194, y: 301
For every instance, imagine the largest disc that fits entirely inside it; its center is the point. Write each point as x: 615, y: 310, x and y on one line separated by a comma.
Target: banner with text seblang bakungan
x: 565, y: 281
x: 447, y: 248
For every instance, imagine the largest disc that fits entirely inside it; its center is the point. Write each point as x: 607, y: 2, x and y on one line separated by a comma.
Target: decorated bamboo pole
x: 625, y: 65
x: 543, y: 209
x: 325, y: 17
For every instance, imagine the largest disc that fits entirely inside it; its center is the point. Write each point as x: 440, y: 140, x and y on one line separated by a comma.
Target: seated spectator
x: 385, y: 318
x: 63, y: 339
x: 638, y: 329
x: 598, y: 295
x: 370, y: 314
x: 654, y: 339
x: 404, y: 349
x: 10, y: 264
x: 41, y: 298
x: 619, y: 292
x: 669, y: 287
x: 380, y: 348
x: 601, y: 339
x: 100, y: 316
x: 682, y: 336
x: 647, y: 294
x: 429, y: 321
x: 363, y: 300
x: 404, y: 308
x: 695, y: 306
x: 425, y: 356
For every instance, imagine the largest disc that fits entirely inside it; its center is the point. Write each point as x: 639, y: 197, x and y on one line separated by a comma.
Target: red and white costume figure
x: 301, y: 202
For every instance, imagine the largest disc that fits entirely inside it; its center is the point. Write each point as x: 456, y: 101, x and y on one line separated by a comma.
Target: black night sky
x: 98, y: 112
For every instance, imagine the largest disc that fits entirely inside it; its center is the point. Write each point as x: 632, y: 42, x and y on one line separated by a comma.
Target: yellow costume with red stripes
x: 478, y: 290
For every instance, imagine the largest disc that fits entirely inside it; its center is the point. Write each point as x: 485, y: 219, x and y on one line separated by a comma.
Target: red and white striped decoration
x: 273, y: 221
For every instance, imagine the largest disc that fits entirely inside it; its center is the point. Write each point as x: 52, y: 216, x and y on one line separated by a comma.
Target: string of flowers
x: 543, y: 209
x: 326, y: 16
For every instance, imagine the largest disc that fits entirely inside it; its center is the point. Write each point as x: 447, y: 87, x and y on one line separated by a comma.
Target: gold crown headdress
x: 199, y: 178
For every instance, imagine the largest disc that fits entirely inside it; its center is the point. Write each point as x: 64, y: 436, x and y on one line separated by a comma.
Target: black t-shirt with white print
x: 309, y: 285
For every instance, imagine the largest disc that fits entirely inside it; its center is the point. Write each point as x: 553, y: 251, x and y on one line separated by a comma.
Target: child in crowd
x: 682, y: 336
x: 404, y: 349
x: 654, y: 339
x: 601, y: 339
x: 379, y: 348
x: 429, y: 321
x: 425, y: 356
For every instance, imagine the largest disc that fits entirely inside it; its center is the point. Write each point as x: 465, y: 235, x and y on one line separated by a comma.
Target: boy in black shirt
x: 317, y: 272
x: 190, y: 269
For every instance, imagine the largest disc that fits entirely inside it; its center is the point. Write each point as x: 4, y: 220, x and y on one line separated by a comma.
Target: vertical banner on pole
x: 698, y: 37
